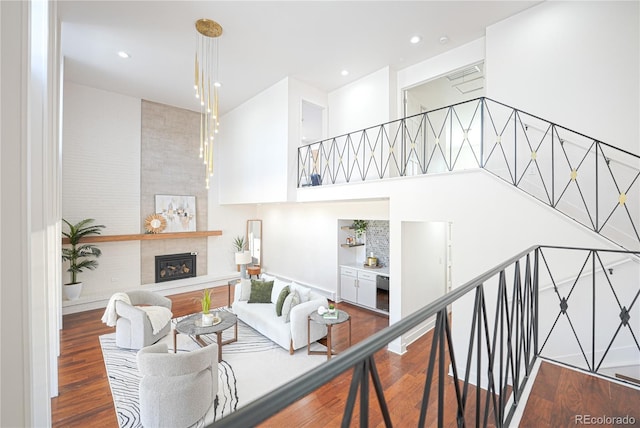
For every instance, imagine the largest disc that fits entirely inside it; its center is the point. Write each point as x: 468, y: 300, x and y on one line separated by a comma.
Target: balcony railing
x: 590, y: 181
x: 576, y: 306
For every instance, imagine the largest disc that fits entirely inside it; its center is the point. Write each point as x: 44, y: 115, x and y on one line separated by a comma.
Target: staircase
x: 590, y: 181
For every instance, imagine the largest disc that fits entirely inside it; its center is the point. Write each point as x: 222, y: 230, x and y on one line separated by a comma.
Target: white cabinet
x: 367, y: 288
x: 357, y: 286
x: 349, y: 284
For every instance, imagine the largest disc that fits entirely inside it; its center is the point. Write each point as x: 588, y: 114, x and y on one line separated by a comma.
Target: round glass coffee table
x: 192, y: 326
x: 341, y: 316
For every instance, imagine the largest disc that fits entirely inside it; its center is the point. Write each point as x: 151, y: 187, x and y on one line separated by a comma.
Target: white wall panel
x: 253, y: 148
x: 360, y: 104
x: 101, y: 180
x: 101, y: 158
x: 550, y: 61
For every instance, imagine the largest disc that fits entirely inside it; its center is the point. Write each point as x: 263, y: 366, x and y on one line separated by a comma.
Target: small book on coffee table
x: 330, y: 315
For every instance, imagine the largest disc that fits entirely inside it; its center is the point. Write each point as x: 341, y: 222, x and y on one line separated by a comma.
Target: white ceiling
x: 263, y: 42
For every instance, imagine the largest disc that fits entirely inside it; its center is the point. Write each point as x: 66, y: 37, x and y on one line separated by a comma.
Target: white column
x: 14, y: 242
x: 29, y: 212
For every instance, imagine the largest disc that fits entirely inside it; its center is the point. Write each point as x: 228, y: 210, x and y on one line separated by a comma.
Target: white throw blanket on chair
x: 110, y: 315
x: 158, y: 315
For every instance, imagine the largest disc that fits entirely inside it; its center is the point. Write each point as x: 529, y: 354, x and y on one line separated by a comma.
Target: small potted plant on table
x: 205, y: 302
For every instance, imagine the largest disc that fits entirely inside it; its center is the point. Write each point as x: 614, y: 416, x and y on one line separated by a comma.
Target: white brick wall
x: 101, y: 179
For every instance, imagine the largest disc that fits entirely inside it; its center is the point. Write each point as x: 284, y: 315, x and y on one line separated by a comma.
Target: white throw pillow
x: 278, y: 285
x: 245, y: 289
x: 304, y: 292
x: 291, y: 300
x: 267, y: 277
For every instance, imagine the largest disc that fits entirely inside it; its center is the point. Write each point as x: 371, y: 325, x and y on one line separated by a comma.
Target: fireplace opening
x: 170, y: 267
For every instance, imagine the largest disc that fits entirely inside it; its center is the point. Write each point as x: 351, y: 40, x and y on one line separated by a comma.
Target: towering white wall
x: 101, y: 180
x: 361, y: 104
x: 253, y: 144
x: 573, y: 63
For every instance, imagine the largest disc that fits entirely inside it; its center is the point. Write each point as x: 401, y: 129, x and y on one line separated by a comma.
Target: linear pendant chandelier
x: 206, y: 85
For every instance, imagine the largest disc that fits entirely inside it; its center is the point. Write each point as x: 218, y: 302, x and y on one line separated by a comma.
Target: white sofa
x: 262, y: 317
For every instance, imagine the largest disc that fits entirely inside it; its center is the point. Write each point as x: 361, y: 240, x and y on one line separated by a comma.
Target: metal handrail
x: 511, y: 348
x: 579, y: 181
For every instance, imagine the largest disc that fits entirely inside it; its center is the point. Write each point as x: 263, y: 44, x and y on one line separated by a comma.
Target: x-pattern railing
x: 590, y: 181
x: 476, y: 367
x: 613, y: 318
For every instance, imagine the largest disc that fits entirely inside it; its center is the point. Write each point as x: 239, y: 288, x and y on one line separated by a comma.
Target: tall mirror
x: 254, y: 239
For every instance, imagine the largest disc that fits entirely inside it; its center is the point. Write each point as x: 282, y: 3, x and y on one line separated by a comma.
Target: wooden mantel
x: 148, y: 236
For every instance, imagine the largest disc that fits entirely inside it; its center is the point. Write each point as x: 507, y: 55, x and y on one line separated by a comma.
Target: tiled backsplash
x: 377, y: 240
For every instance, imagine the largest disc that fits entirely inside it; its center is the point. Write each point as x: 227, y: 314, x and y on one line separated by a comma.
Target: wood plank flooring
x: 85, y: 397
x: 561, y: 396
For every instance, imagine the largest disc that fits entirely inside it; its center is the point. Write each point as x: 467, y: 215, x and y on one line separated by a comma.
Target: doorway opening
x: 311, y: 123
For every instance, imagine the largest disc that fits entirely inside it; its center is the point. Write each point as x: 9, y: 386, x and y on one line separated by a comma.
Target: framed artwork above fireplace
x: 179, y: 212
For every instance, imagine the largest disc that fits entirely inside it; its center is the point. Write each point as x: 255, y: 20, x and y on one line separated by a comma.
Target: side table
x: 253, y: 270
x: 329, y: 322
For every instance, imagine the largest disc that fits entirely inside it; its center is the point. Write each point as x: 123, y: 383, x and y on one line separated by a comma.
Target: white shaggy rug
x: 250, y: 368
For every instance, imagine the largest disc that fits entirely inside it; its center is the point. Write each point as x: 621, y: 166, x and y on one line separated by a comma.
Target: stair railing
x: 592, y: 182
x: 558, y: 303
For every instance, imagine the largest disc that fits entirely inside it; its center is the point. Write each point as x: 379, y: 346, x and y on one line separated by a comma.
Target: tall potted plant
x: 80, y: 256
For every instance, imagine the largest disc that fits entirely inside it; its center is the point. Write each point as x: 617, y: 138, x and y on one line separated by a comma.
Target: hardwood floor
x: 85, y: 397
x: 561, y: 396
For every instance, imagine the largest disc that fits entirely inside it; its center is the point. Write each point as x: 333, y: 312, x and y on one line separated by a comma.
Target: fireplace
x: 175, y: 266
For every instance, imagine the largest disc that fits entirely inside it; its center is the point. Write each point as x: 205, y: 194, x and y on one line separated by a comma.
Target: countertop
x: 384, y: 270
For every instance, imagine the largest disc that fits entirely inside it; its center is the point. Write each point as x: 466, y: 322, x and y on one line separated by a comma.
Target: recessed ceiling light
x: 444, y: 40
x: 345, y: 72
x: 415, y: 39
x: 123, y: 54
x: 217, y: 84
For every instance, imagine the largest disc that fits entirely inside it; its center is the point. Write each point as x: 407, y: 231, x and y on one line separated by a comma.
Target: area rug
x: 250, y: 368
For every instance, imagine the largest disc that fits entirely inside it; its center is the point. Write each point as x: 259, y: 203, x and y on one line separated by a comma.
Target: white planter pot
x: 207, y: 319
x: 72, y: 291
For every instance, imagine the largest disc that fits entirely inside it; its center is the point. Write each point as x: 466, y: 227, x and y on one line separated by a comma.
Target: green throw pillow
x: 260, y: 291
x: 283, y: 295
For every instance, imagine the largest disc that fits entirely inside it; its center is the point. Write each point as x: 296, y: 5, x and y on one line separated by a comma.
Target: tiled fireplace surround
x: 170, y: 166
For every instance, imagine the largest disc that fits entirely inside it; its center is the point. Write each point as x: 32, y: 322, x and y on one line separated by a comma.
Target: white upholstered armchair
x: 176, y: 390
x: 134, y: 329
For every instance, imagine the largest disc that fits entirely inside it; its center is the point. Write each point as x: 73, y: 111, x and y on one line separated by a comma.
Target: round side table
x: 253, y: 270
x: 314, y: 316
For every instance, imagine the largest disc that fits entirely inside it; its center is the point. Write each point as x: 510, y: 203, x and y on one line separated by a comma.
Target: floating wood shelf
x: 148, y: 236
x: 351, y: 245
